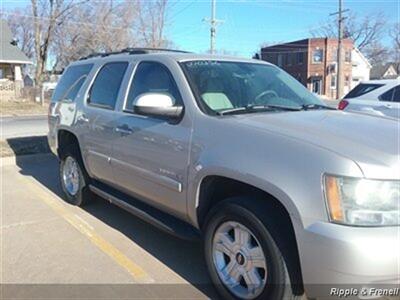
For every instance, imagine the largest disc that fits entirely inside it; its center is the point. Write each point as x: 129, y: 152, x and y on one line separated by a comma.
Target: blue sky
x: 248, y: 23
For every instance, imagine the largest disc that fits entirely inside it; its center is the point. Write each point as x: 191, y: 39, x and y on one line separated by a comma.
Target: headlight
x: 362, y: 202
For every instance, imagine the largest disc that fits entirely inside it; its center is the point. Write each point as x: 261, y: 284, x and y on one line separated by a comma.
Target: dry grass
x: 19, y: 108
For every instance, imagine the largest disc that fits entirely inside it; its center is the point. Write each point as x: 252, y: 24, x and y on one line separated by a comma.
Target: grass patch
x: 24, y: 146
x: 19, y: 108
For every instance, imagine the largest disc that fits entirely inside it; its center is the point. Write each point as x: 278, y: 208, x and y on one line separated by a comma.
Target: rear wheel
x: 73, y: 178
x: 242, y: 257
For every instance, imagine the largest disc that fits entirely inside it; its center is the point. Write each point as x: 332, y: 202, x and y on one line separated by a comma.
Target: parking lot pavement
x: 45, y: 242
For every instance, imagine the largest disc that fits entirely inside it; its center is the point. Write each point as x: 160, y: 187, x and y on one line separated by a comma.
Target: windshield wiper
x: 256, y: 108
x: 316, y: 106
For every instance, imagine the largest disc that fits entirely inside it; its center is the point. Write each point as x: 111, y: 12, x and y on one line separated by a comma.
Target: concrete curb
x: 12, y: 160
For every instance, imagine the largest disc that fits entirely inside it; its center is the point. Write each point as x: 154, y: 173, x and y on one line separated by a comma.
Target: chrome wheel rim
x: 239, y: 260
x: 70, y: 175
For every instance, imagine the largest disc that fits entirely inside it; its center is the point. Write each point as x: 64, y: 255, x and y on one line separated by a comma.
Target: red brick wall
x: 303, y: 72
x: 289, y: 53
x: 329, y: 47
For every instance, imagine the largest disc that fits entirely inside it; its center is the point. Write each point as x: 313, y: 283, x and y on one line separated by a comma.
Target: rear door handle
x: 124, y: 129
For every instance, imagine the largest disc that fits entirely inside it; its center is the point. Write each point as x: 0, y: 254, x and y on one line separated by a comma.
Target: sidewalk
x: 51, y: 248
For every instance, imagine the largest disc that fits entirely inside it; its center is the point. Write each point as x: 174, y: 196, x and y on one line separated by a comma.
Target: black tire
x: 278, y: 285
x: 83, y: 195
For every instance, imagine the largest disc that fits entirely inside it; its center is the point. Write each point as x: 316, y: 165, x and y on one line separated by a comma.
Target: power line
x: 182, y: 10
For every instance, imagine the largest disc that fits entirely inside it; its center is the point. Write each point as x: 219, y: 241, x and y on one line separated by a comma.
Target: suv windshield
x: 225, y: 86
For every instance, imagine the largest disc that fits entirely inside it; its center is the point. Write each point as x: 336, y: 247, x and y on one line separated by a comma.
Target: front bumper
x: 334, y: 255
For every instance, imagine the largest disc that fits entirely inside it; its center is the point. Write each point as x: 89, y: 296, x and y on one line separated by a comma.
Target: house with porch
x: 12, y: 59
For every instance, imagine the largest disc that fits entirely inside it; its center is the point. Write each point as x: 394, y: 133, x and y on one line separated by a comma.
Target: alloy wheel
x: 239, y: 260
x: 70, y: 176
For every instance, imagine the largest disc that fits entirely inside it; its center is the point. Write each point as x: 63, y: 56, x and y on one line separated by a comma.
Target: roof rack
x: 150, y: 50
x: 132, y: 51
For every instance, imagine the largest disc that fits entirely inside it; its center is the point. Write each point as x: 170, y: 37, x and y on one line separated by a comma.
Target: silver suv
x: 288, y: 195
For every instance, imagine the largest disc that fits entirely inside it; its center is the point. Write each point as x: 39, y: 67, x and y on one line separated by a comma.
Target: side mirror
x: 157, y: 104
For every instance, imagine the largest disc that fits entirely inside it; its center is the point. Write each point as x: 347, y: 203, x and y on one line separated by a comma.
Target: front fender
x: 287, y: 168
x: 205, y: 170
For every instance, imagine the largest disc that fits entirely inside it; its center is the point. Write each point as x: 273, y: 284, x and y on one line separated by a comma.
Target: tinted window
x: 362, y: 89
x: 226, y: 85
x: 396, y: 95
x: 104, y: 91
x: 74, y: 89
x: 151, y: 77
x: 387, y: 96
x: 72, y: 79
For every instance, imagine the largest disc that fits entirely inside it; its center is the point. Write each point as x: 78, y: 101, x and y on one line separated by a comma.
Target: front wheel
x: 242, y: 257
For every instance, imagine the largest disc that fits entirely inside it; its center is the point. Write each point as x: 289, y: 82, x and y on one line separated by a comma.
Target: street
x: 23, y: 126
x: 45, y: 241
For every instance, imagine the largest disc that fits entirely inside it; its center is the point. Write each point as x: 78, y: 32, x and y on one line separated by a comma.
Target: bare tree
x: 47, y: 16
x: 65, y: 30
x: 377, y: 54
x: 366, y: 32
x: 395, y: 35
x: 20, y: 23
x: 152, y: 18
x: 110, y: 26
x: 95, y: 27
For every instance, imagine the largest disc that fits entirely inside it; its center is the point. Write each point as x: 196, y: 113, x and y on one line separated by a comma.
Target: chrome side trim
x: 151, y: 176
x: 95, y: 153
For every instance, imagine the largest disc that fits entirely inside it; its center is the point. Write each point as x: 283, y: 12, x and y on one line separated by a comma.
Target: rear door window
x: 105, y: 88
x: 396, y: 95
x: 71, y: 82
x: 387, y: 96
x: 362, y: 89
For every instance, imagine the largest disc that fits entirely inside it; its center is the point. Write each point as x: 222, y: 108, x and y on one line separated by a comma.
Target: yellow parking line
x: 53, y: 201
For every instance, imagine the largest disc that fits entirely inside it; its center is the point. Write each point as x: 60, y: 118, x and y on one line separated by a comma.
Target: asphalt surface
x: 23, y: 126
x: 51, y: 249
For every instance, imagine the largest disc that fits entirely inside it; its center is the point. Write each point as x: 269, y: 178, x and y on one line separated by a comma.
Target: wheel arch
x: 66, y: 137
x: 215, y: 188
x: 212, y: 189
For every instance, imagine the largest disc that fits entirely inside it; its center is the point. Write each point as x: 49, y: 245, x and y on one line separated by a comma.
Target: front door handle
x: 124, y: 130
x: 83, y: 119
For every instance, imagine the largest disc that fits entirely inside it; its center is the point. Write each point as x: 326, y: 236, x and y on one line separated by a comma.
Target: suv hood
x: 372, y: 142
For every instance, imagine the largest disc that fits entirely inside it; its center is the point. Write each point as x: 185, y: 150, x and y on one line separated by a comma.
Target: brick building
x: 313, y: 62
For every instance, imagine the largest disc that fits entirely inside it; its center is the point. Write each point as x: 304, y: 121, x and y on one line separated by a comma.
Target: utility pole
x: 339, y: 72
x: 339, y: 53
x: 213, y: 25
